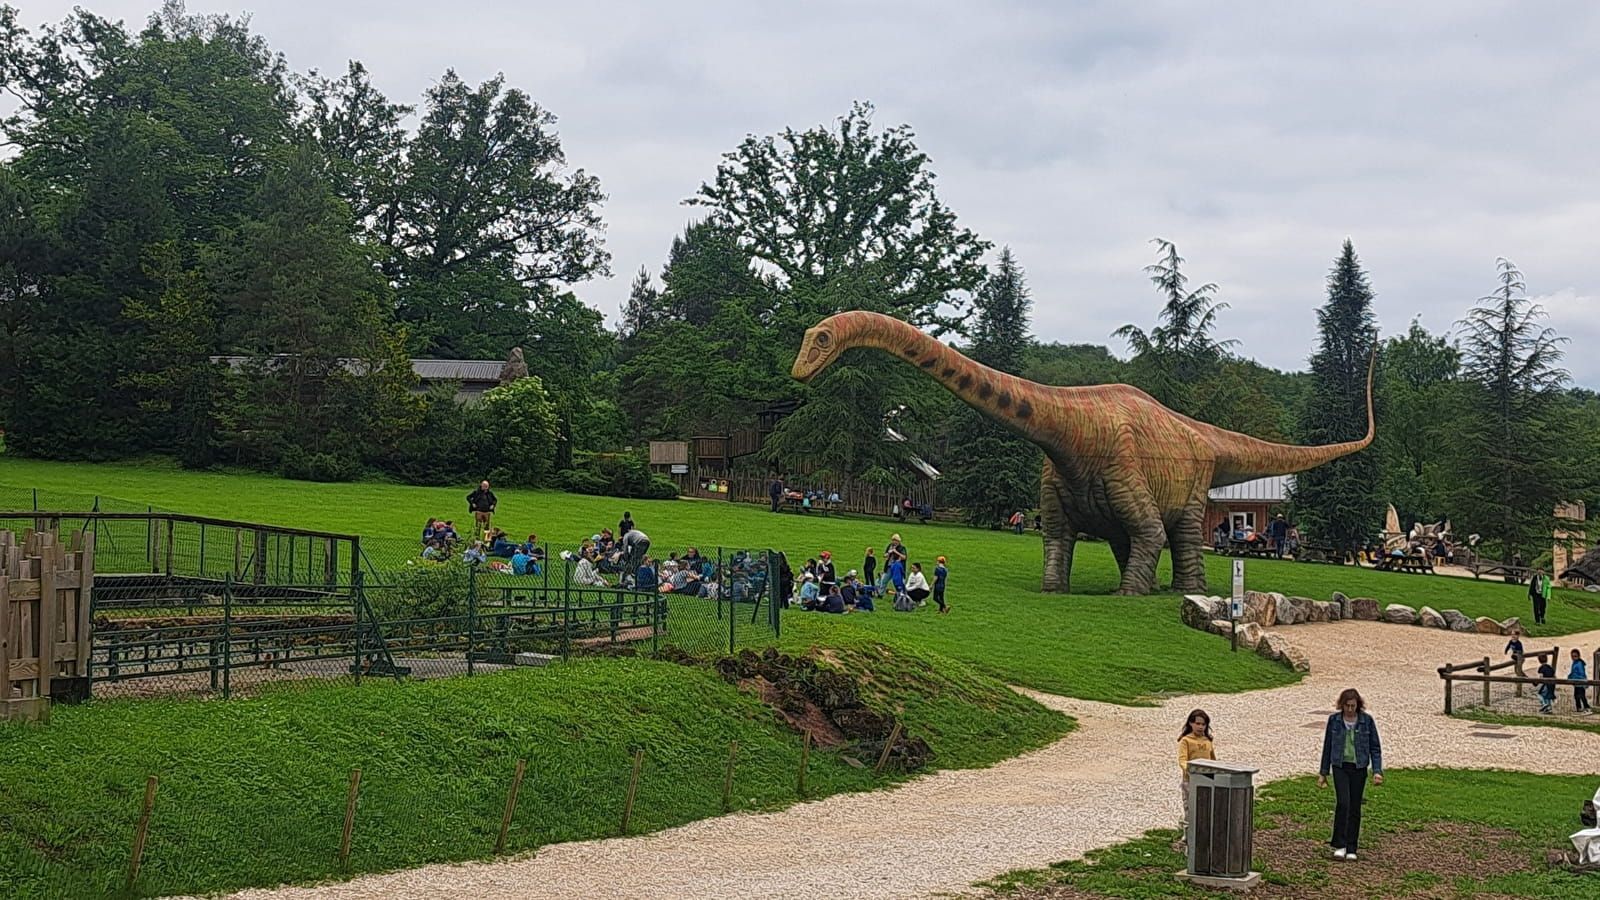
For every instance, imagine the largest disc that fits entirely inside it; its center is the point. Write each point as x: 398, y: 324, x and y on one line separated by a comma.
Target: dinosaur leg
x: 1060, y: 536
x: 1135, y: 507
x: 1187, y: 538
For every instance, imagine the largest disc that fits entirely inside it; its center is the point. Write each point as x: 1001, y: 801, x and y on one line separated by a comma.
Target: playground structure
x: 1118, y: 465
x: 44, y: 620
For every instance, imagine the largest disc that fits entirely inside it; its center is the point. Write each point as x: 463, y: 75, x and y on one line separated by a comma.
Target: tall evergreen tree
x: 1174, y: 357
x: 1512, y: 466
x: 990, y: 471
x: 1338, y: 502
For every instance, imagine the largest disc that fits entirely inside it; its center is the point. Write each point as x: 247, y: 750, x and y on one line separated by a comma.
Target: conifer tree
x: 1337, y: 502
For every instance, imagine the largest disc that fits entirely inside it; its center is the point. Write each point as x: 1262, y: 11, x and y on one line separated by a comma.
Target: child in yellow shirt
x: 1194, y: 743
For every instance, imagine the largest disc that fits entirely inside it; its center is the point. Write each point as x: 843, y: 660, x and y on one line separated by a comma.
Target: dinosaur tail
x: 1241, y: 458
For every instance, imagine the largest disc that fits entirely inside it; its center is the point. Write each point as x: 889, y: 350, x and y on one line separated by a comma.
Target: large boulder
x: 1261, y: 608
x: 1332, y: 609
x: 1344, y: 604
x: 1485, y: 625
x: 1364, y: 608
x: 1428, y: 617
x: 1314, y: 610
x: 1198, y: 611
x: 1297, y: 609
x: 1456, y: 620
x: 1512, y: 624
x: 1399, y: 614
x: 1250, y: 635
x: 1272, y: 645
x: 1297, y: 659
x: 1223, y: 627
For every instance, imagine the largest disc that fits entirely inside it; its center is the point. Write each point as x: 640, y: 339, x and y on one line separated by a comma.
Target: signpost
x: 1236, y: 606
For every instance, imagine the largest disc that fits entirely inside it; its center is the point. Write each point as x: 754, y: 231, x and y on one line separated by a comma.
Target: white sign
x: 1237, y: 607
x: 680, y: 469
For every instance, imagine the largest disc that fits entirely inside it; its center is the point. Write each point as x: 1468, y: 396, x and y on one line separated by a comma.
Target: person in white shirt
x: 917, y: 585
x: 586, y: 573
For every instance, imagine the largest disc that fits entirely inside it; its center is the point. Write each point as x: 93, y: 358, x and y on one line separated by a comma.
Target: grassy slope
x: 252, y: 791
x: 1540, y: 809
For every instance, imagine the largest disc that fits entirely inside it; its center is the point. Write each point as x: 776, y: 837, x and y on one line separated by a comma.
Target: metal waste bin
x: 1222, y: 800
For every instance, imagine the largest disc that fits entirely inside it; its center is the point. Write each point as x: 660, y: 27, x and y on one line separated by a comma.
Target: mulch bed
x: 1413, y: 865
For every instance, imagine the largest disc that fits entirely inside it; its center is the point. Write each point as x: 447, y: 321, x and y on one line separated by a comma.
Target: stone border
x: 1266, y: 609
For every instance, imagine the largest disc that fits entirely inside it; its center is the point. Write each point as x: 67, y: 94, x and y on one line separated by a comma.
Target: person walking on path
x: 940, y: 573
x: 1349, y: 745
x: 1278, y: 530
x: 1195, y: 742
x: 1580, y: 693
x: 481, y: 504
x: 1539, y: 593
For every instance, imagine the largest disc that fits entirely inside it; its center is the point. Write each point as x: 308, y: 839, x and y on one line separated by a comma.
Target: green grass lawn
x: 1089, y: 644
x: 252, y: 791
x: 1426, y: 833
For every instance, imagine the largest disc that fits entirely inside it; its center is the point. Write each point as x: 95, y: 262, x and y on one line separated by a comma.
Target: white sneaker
x: 1350, y: 856
x: 1340, y: 854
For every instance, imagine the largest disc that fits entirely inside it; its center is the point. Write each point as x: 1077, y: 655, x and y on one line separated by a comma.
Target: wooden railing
x: 1485, y: 669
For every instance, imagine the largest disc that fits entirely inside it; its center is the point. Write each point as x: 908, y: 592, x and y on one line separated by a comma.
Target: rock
x: 1400, y: 614
x: 1297, y: 659
x: 1273, y: 645
x: 1221, y: 626
x: 1250, y: 635
x: 1344, y: 604
x: 1512, y: 624
x: 1364, y: 608
x: 1456, y: 620
x: 1261, y: 608
x: 1198, y: 611
x: 1333, y: 610
x: 1428, y: 617
x: 1289, y: 614
x: 1313, y: 610
x: 1485, y: 625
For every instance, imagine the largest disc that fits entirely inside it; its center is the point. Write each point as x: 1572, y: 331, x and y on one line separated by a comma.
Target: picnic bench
x: 1247, y: 548
x: 1512, y: 574
x: 1309, y: 554
x: 1411, y: 562
x: 799, y: 505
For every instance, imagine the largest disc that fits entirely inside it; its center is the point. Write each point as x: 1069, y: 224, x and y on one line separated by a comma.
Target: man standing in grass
x: 1539, y: 593
x: 481, y: 503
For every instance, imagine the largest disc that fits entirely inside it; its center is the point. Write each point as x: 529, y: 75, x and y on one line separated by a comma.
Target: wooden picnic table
x: 1511, y: 574
x: 1411, y: 562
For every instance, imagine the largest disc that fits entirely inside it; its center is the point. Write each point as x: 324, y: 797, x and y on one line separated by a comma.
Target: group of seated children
x: 439, y: 539
x: 821, y: 591
x: 503, y: 554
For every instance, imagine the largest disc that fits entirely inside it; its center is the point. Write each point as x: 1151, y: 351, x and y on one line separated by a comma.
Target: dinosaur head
x: 820, y: 348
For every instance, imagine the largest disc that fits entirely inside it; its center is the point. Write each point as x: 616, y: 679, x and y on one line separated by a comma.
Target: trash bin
x: 1222, y: 818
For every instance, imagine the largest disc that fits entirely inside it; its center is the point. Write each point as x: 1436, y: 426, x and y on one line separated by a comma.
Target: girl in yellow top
x: 1193, y: 743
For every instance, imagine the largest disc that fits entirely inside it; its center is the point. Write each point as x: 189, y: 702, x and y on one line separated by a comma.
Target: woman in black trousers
x: 1349, y: 745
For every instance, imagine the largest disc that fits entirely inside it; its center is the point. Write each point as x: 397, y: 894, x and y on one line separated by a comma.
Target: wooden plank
x: 25, y: 590
x: 65, y: 580
x: 48, y: 607
x: 85, y: 593
x: 25, y: 669
x: 5, y: 638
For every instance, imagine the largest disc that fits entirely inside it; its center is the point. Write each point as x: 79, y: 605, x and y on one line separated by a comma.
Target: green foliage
x: 517, y: 429
x: 1338, y: 502
x: 440, y: 449
x: 423, y: 589
x: 616, y: 475
x: 1180, y: 353
x: 1418, y: 390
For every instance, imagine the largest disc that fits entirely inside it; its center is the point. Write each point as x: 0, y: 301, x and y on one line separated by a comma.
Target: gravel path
x: 1111, y: 779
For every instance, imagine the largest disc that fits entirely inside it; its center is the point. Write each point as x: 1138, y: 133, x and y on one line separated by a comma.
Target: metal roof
x: 1272, y: 489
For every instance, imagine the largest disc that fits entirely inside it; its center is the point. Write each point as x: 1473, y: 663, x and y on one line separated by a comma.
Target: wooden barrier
x: 44, y: 618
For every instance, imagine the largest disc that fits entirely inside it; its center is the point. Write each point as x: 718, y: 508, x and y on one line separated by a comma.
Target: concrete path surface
x: 1112, y: 779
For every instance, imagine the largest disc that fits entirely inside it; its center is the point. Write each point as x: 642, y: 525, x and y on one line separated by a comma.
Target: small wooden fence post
x: 142, y: 831
x: 1486, y: 684
x: 633, y: 787
x: 349, y: 818
x: 727, y: 777
x: 1449, y: 684
x: 883, y: 758
x: 805, y: 761
x: 511, y: 807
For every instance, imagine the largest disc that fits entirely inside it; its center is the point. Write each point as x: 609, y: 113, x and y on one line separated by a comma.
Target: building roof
x: 1272, y: 489
x: 1586, y: 568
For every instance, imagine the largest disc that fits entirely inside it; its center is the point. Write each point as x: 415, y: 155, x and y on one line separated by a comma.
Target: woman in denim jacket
x: 1349, y: 745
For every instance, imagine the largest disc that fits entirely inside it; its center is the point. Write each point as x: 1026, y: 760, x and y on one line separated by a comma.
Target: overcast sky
x: 1256, y: 136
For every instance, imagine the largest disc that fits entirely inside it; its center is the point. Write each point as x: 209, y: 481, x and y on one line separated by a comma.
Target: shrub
x: 325, y: 467
x: 425, y: 590
x: 616, y: 475
x: 517, y: 425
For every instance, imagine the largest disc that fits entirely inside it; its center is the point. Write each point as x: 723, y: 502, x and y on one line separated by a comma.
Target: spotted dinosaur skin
x: 1118, y: 465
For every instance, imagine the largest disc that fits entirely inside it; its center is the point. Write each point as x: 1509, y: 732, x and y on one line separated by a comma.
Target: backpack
x: 903, y: 602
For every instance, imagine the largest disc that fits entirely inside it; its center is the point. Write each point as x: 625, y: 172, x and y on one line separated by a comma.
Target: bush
x: 324, y: 467
x: 425, y: 590
x: 439, y: 451
x: 616, y: 475
x: 517, y: 424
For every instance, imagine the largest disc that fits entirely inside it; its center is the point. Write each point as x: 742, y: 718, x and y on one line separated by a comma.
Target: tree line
x: 177, y: 196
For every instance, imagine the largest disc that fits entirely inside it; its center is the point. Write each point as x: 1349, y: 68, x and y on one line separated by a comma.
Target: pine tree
x: 1338, y: 502
x: 990, y: 471
x: 1180, y: 353
x: 1512, y: 471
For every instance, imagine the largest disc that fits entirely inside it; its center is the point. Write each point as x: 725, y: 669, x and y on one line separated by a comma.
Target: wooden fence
x: 44, y: 618
x: 1509, y: 693
x: 854, y: 496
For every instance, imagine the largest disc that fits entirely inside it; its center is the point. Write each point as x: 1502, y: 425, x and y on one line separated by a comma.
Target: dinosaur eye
x: 823, y: 339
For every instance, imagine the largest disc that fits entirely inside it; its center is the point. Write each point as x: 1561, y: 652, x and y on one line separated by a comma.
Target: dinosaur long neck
x: 1011, y: 401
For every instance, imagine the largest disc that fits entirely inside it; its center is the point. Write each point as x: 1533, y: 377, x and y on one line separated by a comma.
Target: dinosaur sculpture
x: 1118, y: 465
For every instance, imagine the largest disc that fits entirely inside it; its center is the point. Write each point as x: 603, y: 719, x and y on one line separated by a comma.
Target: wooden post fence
x: 633, y: 787
x: 44, y: 618
x: 141, y: 831
x: 511, y: 807
x: 349, y: 818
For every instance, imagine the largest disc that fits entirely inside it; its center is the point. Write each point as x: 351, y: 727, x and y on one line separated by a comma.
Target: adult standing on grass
x: 481, y: 504
x: 775, y: 491
x: 1539, y: 593
x: 1349, y: 745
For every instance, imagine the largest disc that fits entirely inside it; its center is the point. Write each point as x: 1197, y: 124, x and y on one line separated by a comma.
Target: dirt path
x: 1112, y: 779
